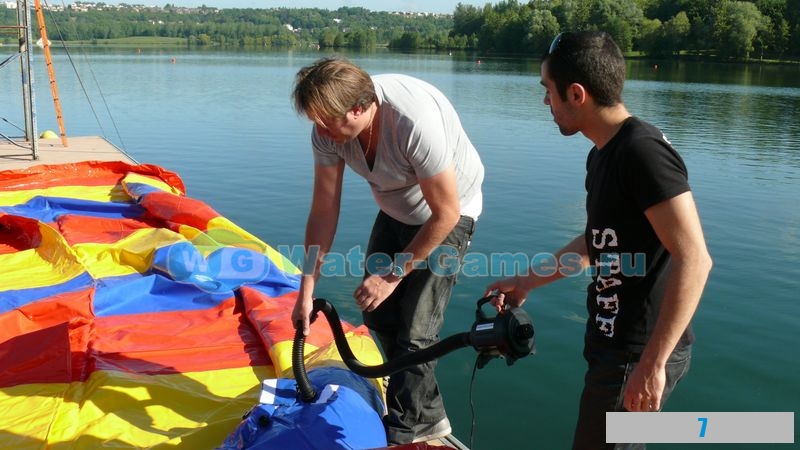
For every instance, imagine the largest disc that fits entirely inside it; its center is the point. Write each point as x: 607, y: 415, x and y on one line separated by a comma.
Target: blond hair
x: 330, y: 87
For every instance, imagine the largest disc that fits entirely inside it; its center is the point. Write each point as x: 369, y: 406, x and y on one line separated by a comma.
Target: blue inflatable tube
x: 346, y: 414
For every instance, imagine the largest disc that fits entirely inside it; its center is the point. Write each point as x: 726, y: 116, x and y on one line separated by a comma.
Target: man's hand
x: 512, y: 291
x: 302, y: 310
x: 373, y: 291
x: 644, y: 387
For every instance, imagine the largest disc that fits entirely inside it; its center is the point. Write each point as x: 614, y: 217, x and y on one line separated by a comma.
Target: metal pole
x: 21, y: 40
x: 48, y: 60
x: 28, y: 97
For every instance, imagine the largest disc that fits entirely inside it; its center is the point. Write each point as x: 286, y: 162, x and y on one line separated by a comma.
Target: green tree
x: 793, y: 23
x: 511, y: 29
x: 408, y: 40
x: 620, y: 18
x: 650, y: 41
x: 574, y: 14
x: 775, y: 39
x: 664, y: 10
x: 736, y: 25
x: 492, y: 22
x: 286, y: 39
x: 339, y: 40
x: 203, y: 39
x: 541, y: 28
x: 676, y: 32
x: 361, y: 38
x: 328, y: 38
x: 467, y: 20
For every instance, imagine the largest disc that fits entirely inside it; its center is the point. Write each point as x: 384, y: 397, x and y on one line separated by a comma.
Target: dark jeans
x: 604, y: 389
x: 410, y: 320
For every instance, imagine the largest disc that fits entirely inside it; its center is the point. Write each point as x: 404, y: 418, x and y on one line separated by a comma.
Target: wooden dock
x: 83, y: 148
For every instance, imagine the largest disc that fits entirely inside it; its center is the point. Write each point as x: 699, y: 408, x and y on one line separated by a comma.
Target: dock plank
x: 80, y: 148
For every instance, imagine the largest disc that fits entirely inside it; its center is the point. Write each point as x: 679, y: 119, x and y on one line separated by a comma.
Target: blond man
x: 405, y: 138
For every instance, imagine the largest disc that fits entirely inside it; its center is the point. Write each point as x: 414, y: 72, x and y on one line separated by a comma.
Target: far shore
x: 172, y: 42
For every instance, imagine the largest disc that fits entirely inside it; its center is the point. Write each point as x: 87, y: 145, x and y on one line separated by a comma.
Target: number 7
x: 703, y: 428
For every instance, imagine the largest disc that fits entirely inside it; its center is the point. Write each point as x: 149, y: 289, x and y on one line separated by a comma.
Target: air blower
x: 509, y: 335
x: 331, y: 407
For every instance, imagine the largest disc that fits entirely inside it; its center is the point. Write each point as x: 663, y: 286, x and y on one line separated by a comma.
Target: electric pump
x: 508, y: 335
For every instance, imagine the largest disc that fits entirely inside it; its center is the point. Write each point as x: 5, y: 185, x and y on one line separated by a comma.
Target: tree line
x: 243, y: 27
x: 723, y: 28
x: 663, y: 28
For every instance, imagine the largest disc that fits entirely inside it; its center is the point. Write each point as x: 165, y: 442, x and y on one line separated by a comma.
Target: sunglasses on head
x: 556, y: 41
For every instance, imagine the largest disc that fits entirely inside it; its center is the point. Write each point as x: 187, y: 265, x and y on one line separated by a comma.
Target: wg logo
x: 218, y: 261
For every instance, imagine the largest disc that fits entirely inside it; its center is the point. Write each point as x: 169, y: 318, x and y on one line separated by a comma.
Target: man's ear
x: 357, y: 111
x: 576, y: 94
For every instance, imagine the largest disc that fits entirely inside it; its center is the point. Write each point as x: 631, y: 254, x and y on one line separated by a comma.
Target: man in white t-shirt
x: 404, y: 137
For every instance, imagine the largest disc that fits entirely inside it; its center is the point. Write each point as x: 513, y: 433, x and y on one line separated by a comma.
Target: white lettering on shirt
x: 608, y: 232
x: 608, y: 268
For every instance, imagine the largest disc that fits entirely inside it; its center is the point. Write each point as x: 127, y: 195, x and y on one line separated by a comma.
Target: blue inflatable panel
x: 346, y: 415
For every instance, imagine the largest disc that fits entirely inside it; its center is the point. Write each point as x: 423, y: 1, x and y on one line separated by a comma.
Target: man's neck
x: 605, y: 124
x: 369, y: 118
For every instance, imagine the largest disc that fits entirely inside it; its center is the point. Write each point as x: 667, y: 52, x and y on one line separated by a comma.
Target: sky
x: 436, y: 6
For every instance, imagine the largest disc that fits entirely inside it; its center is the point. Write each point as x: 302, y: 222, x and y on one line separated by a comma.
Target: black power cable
x: 471, y: 403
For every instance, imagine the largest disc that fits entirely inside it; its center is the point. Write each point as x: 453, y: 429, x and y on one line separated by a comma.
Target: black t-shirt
x: 637, y: 169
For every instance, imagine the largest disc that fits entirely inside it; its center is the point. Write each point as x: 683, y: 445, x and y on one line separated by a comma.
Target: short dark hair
x: 591, y: 59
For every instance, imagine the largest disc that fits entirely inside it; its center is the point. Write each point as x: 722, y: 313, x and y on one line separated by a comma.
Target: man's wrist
x: 650, y: 359
x: 532, y: 281
x: 396, y: 273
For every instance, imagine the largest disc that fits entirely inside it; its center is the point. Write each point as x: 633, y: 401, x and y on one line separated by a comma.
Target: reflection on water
x: 773, y: 75
x: 753, y: 123
x: 223, y: 120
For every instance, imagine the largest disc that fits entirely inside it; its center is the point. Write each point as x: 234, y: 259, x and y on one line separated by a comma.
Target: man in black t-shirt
x: 643, y: 241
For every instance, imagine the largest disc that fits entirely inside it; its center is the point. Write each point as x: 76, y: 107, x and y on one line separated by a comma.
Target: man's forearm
x: 430, y: 235
x: 685, y: 284
x: 576, y: 247
x: 320, y: 232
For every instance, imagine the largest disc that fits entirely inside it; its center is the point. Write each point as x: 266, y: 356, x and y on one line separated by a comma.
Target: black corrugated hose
x: 306, y: 390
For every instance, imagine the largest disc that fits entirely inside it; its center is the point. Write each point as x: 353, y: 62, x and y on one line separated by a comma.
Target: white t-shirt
x: 420, y: 136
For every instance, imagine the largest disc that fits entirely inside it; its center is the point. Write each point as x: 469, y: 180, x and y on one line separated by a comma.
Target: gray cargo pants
x: 410, y: 320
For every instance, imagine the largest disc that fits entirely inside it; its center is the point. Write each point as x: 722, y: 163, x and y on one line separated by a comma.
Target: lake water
x: 224, y: 122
